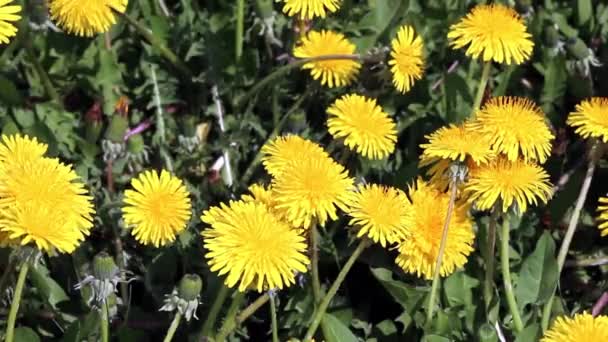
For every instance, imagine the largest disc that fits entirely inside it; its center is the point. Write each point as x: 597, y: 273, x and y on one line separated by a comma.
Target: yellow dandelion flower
x: 254, y: 247
x: 282, y: 150
x: 8, y: 15
x: 418, y: 253
x: 309, y: 9
x: 380, y: 213
x: 591, y: 118
x: 516, y: 127
x: 17, y: 150
x: 602, y: 209
x: 457, y: 143
x: 47, y: 205
x: 157, y: 208
x: 312, y: 188
x: 331, y: 72
x: 407, y: 63
x: 494, y: 32
x: 86, y: 18
x: 510, y: 182
x: 583, y: 327
x: 364, y: 126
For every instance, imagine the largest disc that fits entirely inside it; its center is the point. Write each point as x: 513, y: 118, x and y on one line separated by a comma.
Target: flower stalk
x: 314, y: 262
x: 506, y: 275
x: 565, y: 246
x: 173, y: 327
x: 104, y: 324
x: 220, y: 298
x: 444, y: 238
x: 273, y: 318
x: 320, y: 311
x: 485, y: 76
x: 233, y: 320
x: 488, y: 284
x: 12, y: 315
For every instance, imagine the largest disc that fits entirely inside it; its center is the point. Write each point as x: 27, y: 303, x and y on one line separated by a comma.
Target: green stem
x: 314, y: 261
x: 273, y: 319
x: 209, y: 324
x: 229, y: 323
x: 240, y: 27
x: 275, y: 132
x: 506, y: 275
x: 442, y: 244
x: 233, y: 320
x: 485, y: 76
x: 12, y: 315
x: 104, y: 324
x: 173, y: 327
x: 285, y: 69
x: 320, y: 311
x: 563, y: 250
x: 488, y: 284
x: 44, y: 76
x: 158, y: 45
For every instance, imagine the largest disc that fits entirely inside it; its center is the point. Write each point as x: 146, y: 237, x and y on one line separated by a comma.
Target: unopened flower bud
x: 117, y: 128
x: 190, y: 287
x: 551, y: 36
x: 577, y: 48
x: 104, y: 267
x: 135, y: 144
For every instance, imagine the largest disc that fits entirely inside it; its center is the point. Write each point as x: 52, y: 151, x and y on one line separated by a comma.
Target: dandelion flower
x: 591, y: 118
x: 312, y: 188
x: 158, y: 207
x: 254, y: 247
x: 494, y: 32
x: 380, y: 213
x: 418, y: 253
x: 457, y: 143
x: 516, y: 127
x: 47, y: 205
x: 364, y: 126
x: 17, y: 150
x: 509, y: 182
x: 583, y: 327
x: 282, y: 150
x: 331, y: 72
x: 8, y: 15
x: 602, y: 209
x: 86, y: 18
x: 309, y: 9
x: 407, y: 63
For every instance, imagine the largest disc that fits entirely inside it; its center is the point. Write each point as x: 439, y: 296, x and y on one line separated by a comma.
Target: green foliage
x: 169, y: 81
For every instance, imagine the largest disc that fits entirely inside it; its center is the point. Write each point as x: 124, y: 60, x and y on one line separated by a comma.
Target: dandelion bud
x: 117, y: 128
x: 577, y: 48
x: 190, y: 287
x: 263, y: 8
x: 188, y: 126
x: 104, y: 267
x: 135, y: 144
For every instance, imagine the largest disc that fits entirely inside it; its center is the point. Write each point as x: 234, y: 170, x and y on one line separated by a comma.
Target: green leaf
x: 584, y: 10
x: 50, y: 290
x: 458, y: 289
x: 336, y: 331
x: 408, y: 296
x: 435, y: 338
x: 530, y: 333
x: 9, y: 93
x: 538, y: 274
x: 25, y: 334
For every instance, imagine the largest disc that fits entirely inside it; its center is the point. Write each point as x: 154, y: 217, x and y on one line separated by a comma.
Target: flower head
x: 602, y: 209
x: 309, y: 9
x: 380, y: 213
x: 158, y: 207
x: 457, y: 143
x: 418, y: 253
x: 47, y: 205
x: 508, y: 182
x: 18, y: 151
x: 591, y: 118
x: 254, y: 247
x: 86, y: 18
x: 282, y: 150
x: 364, y: 126
x: 312, y: 188
x: 583, y: 327
x: 407, y: 63
x: 8, y: 15
x: 494, y: 32
x: 516, y: 127
x: 331, y: 72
